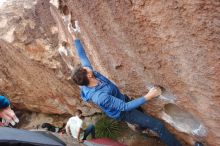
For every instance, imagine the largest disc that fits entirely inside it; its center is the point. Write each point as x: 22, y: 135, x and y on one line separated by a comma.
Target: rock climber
x: 6, y: 113
x: 77, y: 128
x: 99, y: 90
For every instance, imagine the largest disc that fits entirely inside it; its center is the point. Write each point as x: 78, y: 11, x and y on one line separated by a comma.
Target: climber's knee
x: 158, y: 127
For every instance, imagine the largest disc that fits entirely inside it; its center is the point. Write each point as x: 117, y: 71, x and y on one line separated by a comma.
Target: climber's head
x: 83, y: 76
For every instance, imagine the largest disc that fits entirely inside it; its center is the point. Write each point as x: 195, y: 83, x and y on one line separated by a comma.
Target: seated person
x: 77, y: 129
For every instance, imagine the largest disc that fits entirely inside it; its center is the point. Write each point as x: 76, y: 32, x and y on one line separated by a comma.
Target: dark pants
x: 89, y: 130
x: 146, y: 121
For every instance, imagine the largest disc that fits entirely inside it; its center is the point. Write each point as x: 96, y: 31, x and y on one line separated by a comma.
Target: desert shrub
x: 106, y: 127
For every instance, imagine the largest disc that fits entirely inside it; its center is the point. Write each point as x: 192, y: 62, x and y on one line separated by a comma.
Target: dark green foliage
x: 106, y: 127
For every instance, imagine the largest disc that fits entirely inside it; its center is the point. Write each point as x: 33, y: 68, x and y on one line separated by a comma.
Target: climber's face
x: 89, y: 73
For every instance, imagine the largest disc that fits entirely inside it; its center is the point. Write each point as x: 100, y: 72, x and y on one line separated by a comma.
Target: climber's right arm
x: 78, y: 45
x: 82, y: 54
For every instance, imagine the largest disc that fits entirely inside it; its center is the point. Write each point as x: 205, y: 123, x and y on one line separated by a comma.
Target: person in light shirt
x: 77, y: 129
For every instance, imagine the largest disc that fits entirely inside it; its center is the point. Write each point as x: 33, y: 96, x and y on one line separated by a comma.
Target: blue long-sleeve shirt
x: 4, y: 102
x: 105, y: 95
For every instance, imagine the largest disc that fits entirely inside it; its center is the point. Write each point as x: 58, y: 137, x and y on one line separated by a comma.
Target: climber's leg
x: 146, y: 121
x: 89, y: 130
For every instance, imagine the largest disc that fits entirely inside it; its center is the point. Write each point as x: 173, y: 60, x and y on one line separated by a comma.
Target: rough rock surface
x: 32, y: 73
x: 170, y: 43
x: 174, y: 44
x: 32, y: 86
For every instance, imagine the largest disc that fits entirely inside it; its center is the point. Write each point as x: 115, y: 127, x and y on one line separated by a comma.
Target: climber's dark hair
x: 78, y: 112
x: 79, y: 76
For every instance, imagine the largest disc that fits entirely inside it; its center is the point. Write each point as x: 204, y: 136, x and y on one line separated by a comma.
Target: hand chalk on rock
x: 62, y: 50
x: 76, y: 29
x: 66, y: 19
x: 77, y: 26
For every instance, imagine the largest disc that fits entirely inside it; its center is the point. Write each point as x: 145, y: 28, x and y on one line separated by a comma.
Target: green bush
x: 106, y: 127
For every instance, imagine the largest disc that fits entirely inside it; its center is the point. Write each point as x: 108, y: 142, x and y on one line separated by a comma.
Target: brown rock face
x: 135, y: 43
x: 32, y: 86
x: 32, y: 73
x: 170, y: 43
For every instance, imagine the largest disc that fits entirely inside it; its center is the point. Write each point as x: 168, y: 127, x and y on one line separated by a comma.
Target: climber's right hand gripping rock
x: 75, y: 31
